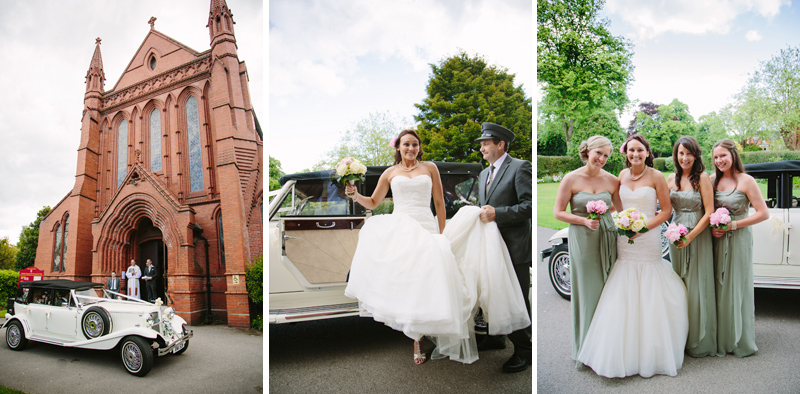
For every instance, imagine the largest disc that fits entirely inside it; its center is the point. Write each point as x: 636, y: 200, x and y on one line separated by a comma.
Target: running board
x: 290, y: 315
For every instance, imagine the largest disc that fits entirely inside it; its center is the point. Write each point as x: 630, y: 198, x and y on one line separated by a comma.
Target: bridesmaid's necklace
x: 404, y: 168
x: 636, y: 178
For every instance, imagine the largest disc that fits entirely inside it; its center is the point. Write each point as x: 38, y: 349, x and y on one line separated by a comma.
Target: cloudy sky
x: 700, y: 51
x: 47, y: 46
x: 332, y: 63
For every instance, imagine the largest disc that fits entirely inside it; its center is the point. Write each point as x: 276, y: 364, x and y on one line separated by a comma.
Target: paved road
x: 358, y: 355
x: 775, y: 369
x: 220, y: 359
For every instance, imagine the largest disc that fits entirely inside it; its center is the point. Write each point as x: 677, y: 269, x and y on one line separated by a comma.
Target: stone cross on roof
x: 97, y: 40
x: 152, y: 22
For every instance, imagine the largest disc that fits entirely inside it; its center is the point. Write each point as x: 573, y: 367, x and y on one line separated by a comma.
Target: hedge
x: 254, y: 281
x: 550, y: 165
x: 8, y: 286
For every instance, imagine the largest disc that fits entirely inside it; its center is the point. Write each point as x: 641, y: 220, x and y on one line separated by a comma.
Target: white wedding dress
x: 641, y: 322
x: 405, y: 275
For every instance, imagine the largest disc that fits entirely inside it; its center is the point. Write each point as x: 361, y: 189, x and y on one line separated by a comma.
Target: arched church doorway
x: 151, y: 246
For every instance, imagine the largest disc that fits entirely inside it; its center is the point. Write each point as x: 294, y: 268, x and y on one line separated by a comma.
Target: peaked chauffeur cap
x: 492, y: 130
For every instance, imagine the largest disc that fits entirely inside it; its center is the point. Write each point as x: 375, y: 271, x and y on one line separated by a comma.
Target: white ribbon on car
x: 778, y: 226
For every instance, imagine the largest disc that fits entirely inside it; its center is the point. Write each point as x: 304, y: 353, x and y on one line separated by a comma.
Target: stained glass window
x: 64, y: 245
x: 57, y: 250
x: 122, y: 151
x: 155, y: 140
x: 195, y: 152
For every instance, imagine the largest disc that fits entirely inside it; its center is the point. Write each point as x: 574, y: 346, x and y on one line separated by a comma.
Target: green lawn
x: 546, y: 200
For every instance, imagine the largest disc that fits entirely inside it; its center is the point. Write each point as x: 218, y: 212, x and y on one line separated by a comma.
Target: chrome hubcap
x: 94, y: 324
x: 13, y: 335
x: 561, y: 272
x: 132, y: 356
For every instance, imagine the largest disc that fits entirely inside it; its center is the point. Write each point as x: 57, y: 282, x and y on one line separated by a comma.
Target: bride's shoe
x: 419, y: 353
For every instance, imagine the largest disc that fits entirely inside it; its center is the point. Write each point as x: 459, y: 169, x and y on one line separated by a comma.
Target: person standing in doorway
x: 149, y: 277
x: 133, y: 274
x: 113, y: 284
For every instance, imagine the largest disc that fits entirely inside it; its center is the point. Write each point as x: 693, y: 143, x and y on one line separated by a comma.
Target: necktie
x: 491, y: 178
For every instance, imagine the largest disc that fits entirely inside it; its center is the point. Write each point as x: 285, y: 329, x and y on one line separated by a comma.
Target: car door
x: 318, y: 234
x: 793, y: 228
x: 62, y: 322
x: 769, y: 236
x: 37, y: 310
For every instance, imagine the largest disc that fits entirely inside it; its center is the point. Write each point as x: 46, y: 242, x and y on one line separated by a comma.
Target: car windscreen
x: 90, y: 295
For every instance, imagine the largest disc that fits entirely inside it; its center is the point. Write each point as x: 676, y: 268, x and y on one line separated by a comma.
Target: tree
x: 773, y: 91
x: 8, y: 254
x: 275, y: 173
x: 462, y: 93
x: 649, y: 110
x: 603, y: 123
x: 368, y: 141
x: 29, y: 240
x: 664, y: 127
x: 581, y: 67
x: 550, y: 139
x: 710, y: 129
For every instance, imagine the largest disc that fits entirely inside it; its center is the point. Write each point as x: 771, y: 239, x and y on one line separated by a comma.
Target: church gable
x: 157, y: 54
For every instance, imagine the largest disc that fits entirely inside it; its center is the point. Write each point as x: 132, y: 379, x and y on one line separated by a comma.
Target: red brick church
x: 169, y: 169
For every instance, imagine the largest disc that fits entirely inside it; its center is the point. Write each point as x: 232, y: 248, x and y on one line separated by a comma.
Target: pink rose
x: 600, y: 207
x: 590, y: 206
x: 635, y: 215
x: 393, y: 142
x: 347, y: 160
x: 624, y: 221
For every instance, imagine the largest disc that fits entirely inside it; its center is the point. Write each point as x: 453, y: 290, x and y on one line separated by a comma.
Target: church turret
x: 95, y: 77
x: 220, y: 23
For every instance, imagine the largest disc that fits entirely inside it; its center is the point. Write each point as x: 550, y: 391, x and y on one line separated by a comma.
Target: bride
x: 641, y: 324
x: 405, y: 274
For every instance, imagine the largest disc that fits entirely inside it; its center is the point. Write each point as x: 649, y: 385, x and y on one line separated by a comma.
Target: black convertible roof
x: 59, y: 284
x: 775, y: 166
x: 374, y: 171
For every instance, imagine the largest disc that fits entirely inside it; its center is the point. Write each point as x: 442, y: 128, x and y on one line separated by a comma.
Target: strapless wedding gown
x: 406, y: 275
x: 641, y: 321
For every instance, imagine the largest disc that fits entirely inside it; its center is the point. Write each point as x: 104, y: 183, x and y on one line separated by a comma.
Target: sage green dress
x: 591, y: 254
x: 695, y: 265
x: 733, y: 263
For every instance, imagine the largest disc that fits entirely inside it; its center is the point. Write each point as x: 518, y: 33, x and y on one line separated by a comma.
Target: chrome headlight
x: 169, y: 313
x: 152, y: 319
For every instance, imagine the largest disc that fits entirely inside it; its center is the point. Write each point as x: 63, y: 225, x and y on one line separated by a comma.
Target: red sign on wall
x: 29, y: 274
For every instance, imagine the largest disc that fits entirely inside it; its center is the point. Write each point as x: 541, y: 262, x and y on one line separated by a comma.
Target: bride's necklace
x: 404, y: 168
x: 636, y: 178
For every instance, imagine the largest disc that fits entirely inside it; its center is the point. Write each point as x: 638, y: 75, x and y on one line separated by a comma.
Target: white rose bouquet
x: 350, y: 170
x: 630, y: 222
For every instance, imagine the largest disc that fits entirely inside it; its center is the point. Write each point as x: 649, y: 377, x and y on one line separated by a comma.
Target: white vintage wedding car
x: 313, y: 232
x: 776, y: 241
x: 84, y: 315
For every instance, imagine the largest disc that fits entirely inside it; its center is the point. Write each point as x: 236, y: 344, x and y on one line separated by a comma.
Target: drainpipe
x: 208, y: 281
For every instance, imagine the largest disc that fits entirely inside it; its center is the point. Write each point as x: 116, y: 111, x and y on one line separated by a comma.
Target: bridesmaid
x: 733, y: 251
x: 692, y: 197
x: 592, y: 243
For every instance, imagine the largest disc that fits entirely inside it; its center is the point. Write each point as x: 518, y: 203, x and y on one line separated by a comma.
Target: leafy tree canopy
x: 771, y: 98
x: 275, y: 173
x: 29, y: 240
x: 664, y: 127
x: 581, y: 67
x: 368, y: 141
x: 8, y: 254
x: 603, y: 123
x: 462, y: 93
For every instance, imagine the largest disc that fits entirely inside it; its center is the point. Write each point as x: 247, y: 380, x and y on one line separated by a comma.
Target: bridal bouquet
x: 720, y: 219
x: 596, y: 209
x: 349, y: 170
x: 629, y: 222
x: 676, y: 233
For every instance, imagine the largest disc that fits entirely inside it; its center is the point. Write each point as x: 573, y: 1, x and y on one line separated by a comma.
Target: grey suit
x: 511, y: 195
x: 113, y: 285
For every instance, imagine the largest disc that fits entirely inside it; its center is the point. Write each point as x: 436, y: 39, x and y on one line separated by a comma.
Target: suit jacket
x: 511, y: 194
x: 151, y: 271
x: 113, y: 286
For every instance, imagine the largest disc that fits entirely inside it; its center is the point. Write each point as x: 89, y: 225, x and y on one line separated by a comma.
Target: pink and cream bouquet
x: 676, y: 233
x: 349, y: 170
x: 630, y: 222
x: 720, y: 218
x: 596, y: 209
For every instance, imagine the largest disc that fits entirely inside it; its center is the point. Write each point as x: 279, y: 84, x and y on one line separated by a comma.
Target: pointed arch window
x: 60, y: 248
x: 122, y: 151
x: 195, y: 151
x: 155, y: 140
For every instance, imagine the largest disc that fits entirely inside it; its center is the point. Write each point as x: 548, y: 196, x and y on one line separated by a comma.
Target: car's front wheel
x: 95, y: 323
x: 560, y: 271
x: 15, y: 336
x: 137, y: 355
